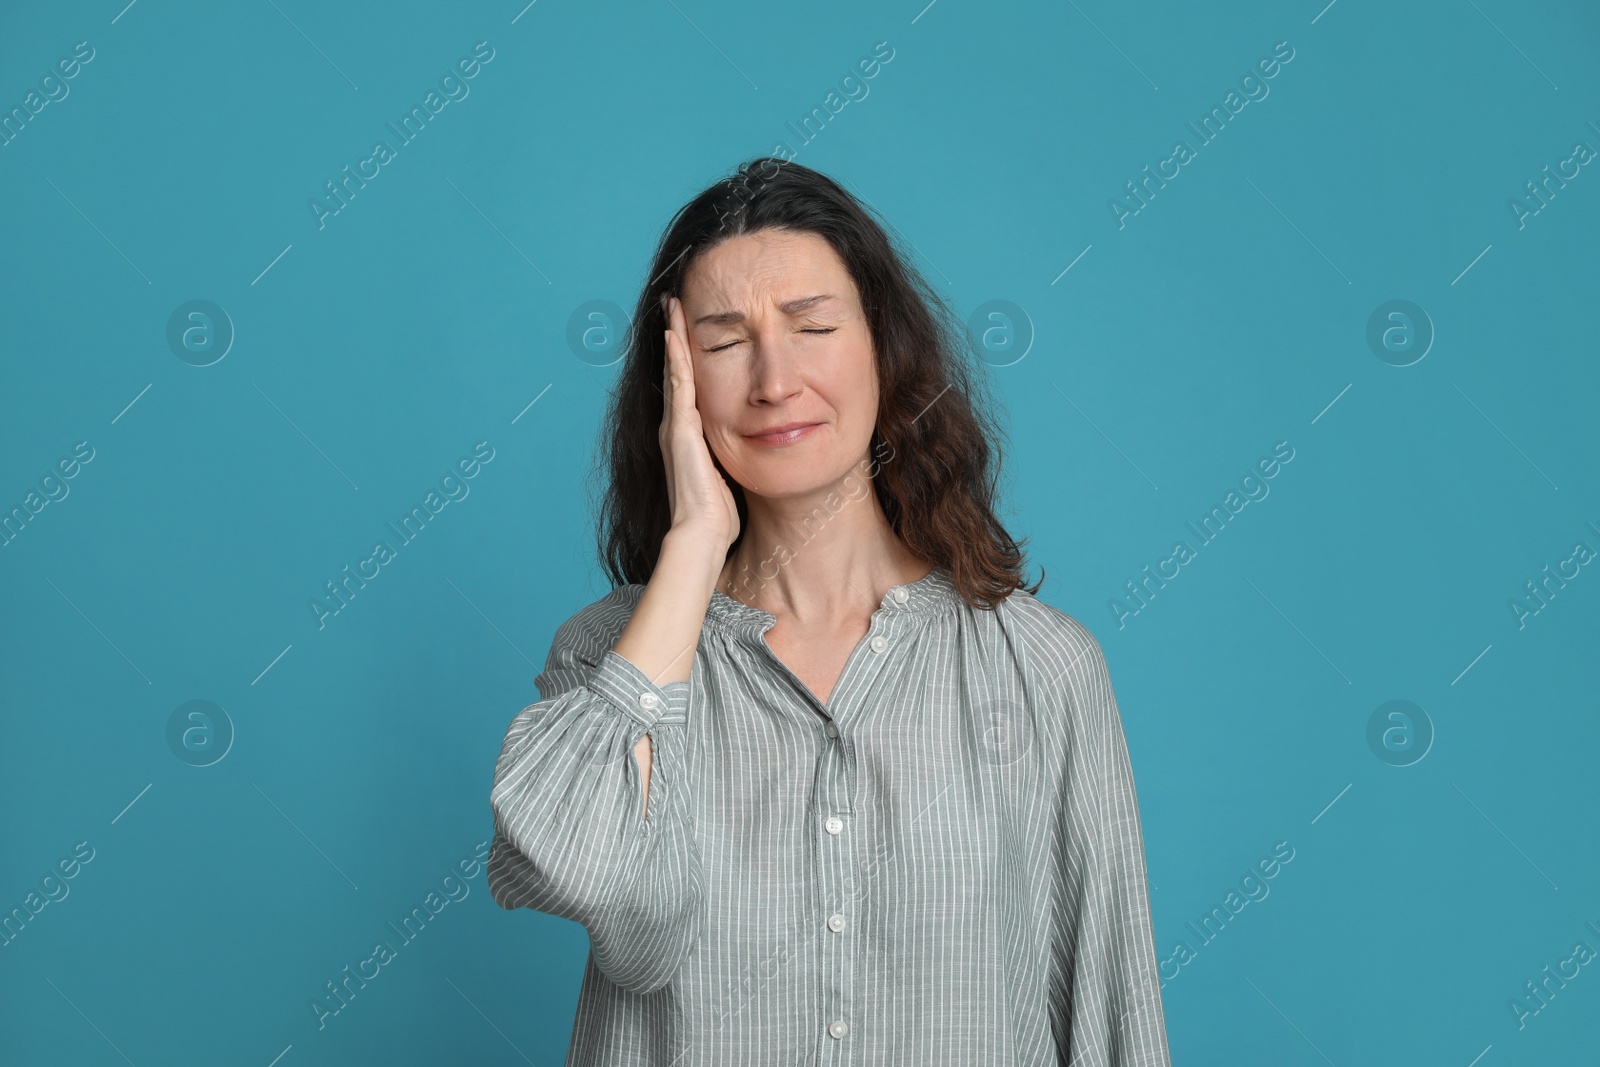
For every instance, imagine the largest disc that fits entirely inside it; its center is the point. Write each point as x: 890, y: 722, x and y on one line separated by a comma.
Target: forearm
x: 661, y: 636
x: 664, y: 631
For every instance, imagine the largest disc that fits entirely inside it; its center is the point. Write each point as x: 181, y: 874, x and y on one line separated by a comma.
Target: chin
x: 777, y: 479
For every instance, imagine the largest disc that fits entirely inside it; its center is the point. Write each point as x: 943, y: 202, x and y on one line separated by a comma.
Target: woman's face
x: 778, y: 338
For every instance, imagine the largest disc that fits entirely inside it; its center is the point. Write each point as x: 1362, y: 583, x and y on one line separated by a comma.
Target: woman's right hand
x: 698, y: 495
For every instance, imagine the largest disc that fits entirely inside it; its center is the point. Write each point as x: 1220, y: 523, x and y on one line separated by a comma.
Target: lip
x: 786, y: 434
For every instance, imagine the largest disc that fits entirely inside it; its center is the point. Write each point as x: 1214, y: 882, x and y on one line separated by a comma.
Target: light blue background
x: 1229, y: 314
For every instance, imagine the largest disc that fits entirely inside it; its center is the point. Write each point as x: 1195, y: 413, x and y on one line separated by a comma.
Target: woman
x: 824, y: 783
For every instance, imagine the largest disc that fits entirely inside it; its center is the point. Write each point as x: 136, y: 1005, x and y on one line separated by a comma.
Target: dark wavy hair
x: 938, y: 487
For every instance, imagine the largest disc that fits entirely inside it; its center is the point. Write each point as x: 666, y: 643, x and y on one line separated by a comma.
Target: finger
x: 669, y: 372
x: 678, y: 320
x: 683, y: 365
x: 679, y: 395
x: 667, y: 420
x: 674, y: 357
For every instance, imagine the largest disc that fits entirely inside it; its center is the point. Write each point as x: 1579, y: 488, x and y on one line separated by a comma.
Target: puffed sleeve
x: 1105, y: 944
x: 570, y: 833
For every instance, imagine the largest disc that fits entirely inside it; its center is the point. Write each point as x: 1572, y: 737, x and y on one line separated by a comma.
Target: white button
x: 834, y: 824
x: 900, y: 595
x: 836, y: 923
x: 831, y: 729
x: 838, y: 1028
x: 649, y: 701
x: 879, y: 643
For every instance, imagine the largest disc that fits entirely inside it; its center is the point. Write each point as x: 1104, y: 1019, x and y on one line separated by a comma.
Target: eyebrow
x: 788, y: 307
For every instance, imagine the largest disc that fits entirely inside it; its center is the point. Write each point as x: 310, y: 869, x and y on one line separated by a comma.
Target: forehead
x: 767, y: 267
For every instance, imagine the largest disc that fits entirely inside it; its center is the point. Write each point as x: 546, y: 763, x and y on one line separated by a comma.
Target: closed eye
x: 730, y: 344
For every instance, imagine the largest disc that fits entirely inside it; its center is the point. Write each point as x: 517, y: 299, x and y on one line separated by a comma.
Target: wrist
x: 690, y: 555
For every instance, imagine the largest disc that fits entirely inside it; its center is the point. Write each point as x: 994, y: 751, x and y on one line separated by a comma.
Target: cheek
x: 716, y: 400
x: 857, y: 377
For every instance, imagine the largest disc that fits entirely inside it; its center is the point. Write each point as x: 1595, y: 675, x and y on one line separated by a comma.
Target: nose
x: 774, y: 375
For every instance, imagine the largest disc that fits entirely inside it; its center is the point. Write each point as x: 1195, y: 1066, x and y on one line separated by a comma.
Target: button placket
x: 836, y: 873
x: 839, y: 873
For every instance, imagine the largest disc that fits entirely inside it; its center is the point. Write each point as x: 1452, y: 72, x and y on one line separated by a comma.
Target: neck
x: 818, y: 559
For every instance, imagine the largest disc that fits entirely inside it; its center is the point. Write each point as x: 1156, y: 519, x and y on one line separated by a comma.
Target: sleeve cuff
x: 633, y: 693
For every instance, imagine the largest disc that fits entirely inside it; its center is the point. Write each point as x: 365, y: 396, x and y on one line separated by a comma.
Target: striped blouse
x: 942, y: 864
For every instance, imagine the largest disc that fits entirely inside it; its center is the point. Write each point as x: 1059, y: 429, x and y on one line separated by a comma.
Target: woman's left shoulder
x: 1054, y: 641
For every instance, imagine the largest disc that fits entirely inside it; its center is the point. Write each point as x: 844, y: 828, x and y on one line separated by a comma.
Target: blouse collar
x: 931, y: 595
